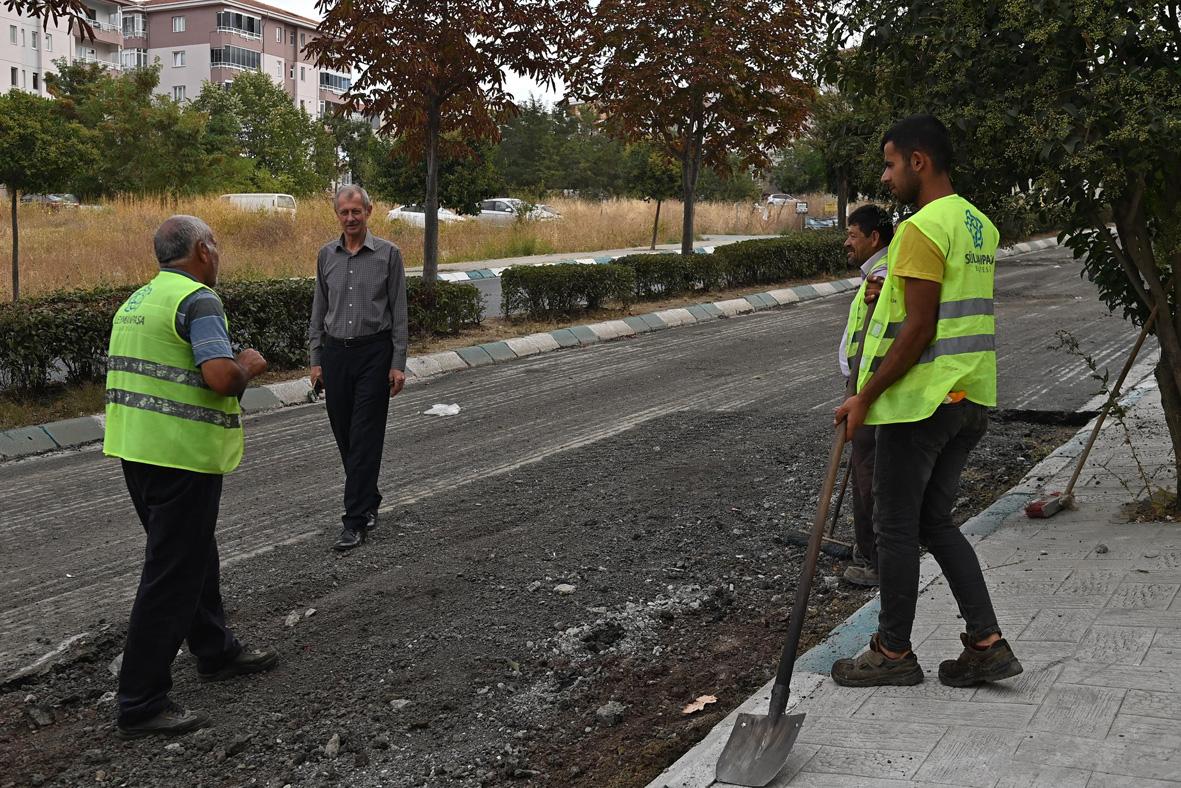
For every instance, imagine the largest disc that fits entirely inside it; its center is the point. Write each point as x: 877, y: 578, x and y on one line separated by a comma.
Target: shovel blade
x: 758, y: 749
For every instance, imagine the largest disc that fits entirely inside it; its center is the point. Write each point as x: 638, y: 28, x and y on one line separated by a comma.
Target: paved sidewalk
x: 1090, y: 604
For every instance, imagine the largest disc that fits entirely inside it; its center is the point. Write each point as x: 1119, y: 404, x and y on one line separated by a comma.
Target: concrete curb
x: 695, y: 769
x: 495, y: 273
x: 71, y: 433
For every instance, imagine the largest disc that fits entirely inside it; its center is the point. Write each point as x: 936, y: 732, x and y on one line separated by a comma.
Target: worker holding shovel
x: 926, y: 379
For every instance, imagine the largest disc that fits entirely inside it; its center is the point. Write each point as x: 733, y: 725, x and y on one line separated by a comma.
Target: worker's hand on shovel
x: 852, y: 411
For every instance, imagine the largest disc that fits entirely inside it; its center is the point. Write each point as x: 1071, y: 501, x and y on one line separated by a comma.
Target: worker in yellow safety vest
x: 173, y: 419
x: 926, y: 380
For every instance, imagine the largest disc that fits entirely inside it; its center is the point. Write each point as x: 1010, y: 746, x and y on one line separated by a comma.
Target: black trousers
x: 357, y: 394
x: 916, y: 478
x: 179, y: 596
x: 862, y: 460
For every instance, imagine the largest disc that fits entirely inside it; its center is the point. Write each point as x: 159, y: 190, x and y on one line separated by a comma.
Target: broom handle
x: 836, y: 512
x: 1078, y: 468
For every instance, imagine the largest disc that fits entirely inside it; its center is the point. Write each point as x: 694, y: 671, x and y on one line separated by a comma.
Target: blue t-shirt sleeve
x: 202, y: 321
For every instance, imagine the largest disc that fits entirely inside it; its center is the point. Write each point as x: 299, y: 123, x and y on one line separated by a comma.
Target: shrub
x: 797, y: 255
x: 547, y: 291
x: 69, y: 332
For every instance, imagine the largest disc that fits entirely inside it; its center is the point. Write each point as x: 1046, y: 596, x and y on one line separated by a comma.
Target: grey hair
x: 350, y: 190
x: 177, y: 237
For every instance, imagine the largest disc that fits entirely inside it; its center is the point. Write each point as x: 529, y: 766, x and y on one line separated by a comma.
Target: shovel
x: 759, y: 745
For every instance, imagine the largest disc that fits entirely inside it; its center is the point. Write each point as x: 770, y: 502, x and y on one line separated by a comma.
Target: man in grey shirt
x: 358, y: 338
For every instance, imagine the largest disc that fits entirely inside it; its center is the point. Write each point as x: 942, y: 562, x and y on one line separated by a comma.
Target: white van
x: 284, y: 203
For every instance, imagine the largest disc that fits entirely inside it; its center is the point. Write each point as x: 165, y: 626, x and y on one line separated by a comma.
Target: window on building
x: 303, y: 39
x: 301, y: 104
x: 35, y: 40
x: 236, y: 57
x: 337, y: 83
x: 22, y: 37
x: 135, y: 58
x: 278, y: 35
x: 24, y: 78
x: 292, y: 38
x: 292, y: 72
x: 178, y: 59
x: 242, y: 24
x: 303, y: 74
x: 323, y: 107
x: 49, y: 42
x: 36, y: 82
x: 133, y: 25
x: 178, y: 24
x: 15, y: 78
x: 178, y: 92
x: 12, y: 34
x: 279, y: 70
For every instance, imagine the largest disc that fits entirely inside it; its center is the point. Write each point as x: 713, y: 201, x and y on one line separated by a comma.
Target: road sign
x: 801, y: 207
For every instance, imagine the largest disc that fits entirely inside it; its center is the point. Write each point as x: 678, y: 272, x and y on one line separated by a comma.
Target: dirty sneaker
x: 861, y: 575
x: 975, y: 666
x: 872, y: 668
x: 171, y: 721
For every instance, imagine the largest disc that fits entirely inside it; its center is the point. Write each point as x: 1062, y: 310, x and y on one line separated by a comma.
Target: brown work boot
x: 872, y: 668
x: 171, y: 721
x: 976, y: 666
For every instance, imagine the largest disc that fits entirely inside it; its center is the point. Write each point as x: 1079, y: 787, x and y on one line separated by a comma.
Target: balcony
x: 239, y: 32
x: 110, y: 65
x: 104, y: 33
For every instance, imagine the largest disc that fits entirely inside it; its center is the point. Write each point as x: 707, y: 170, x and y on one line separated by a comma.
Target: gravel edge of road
x: 22, y: 442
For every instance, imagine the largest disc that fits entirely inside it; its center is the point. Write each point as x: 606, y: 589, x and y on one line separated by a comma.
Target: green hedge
x: 546, y: 291
x: 272, y: 316
x: 798, y: 255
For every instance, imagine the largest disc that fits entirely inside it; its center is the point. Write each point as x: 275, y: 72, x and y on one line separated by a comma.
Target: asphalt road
x: 71, y: 548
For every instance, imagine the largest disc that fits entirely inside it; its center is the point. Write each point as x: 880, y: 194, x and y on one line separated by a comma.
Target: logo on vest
x: 976, y: 228
x: 137, y: 298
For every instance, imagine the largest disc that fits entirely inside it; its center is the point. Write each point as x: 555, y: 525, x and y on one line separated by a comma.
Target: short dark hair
x: 869, y: 218
x: 924, y: 133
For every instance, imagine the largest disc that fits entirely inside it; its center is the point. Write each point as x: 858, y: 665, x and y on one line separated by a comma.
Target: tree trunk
x: 14, y: 195
x: 656, y: 224
x: 1170, y: 397
x: 690, y: 167
x: 430, y: 241
x: 842, y: 200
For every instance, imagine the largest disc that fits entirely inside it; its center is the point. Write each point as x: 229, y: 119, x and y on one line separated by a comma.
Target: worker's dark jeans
x: 916, y: 477
x: 861, y: 458
x: 357, y: 394
x: 179, y: 595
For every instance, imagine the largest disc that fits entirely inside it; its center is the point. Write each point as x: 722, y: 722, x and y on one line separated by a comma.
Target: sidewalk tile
x: 1110, y: 644
x: 1165, y: 650
x: 969, y: 756
x: 947, y: 712
x: 475, y: 356
x: 862, y: 734
x: 1099, y: 780
x: 1066, y: 624
x: 1165, y: 619
x: 1032, y: 775
x: 1151, y: 679
x: 809, y: 779
x: 884, y: 764
x: 1031, y: 686
x: 1151, y: 596
x: 1147, y: 730
x: 1079, y: 711
x: 1132, y: 760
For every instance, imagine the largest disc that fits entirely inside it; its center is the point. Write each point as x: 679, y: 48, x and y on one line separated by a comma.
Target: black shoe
x: 349, y: 539
x: 172, y: 721
x: 371, y: 520
x: 872, y: 668
x: 248, y: 661
x: 976, y: 666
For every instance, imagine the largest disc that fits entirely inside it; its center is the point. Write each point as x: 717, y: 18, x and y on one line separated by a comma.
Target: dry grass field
x: 111, y: 243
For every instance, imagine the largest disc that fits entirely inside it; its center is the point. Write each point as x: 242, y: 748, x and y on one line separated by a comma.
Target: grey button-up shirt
x: 358, y: 295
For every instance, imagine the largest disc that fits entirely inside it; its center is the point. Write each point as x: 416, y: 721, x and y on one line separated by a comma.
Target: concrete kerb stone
x: 734, y: 307
x: 533, y: 344
x: 291, y: 392
x: 612, y: 329
x: 695, y: 769
x: 638, y: 324
x: 259, y: 398
x: 475, y: 356
x: 703, y: 312
x: 676, y: 317
x: 566, y: 337
x: 75, y: 432
x: 25, y: 440
x: 499, y: 351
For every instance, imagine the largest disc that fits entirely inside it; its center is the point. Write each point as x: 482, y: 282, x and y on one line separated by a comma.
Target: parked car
x: 415, y: 215
x: 816, y: 223
x: 262, y: 201
x: 506, y: 210
x: 51, y: 201
x: 779, y: 199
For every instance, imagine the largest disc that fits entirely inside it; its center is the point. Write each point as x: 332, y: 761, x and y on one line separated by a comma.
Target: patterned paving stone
x: 1165, y: 650
x: 947, y: 712
x: 1099, y: 780
x: 1031, y: 687
x: 969, y: 756
x: 1147, y: 730
x: 1059, y: 624
x: 883, y: 764
x: 1148, y: 703
x: 1150, y: 596
x: 860, y: 734
x: 1105, y: 643
x: 1088, y: 582
x: 1152, y: 679
x: 1079, y: 710
x: 1033, y: 775
x: 1109, y: 757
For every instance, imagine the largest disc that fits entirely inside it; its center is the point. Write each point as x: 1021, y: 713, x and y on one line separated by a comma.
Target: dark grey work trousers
x: 916, y: 479
x: 862, y: 460
x: 357, y: 395
x: 179, y: 596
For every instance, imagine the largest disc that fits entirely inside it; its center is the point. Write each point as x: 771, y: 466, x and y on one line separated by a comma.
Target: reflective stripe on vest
x: 159, y: 409
x: 962, y: 355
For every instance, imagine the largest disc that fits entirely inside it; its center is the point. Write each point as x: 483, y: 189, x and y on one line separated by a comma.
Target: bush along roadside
x: 65, y: 335
x: 565, y: 290
x: 548, y: 291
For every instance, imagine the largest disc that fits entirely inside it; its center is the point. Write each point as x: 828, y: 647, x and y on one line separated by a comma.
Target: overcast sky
x: 520, y: 87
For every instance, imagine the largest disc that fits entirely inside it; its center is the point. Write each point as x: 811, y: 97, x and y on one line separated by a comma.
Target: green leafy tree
x: 714, y: 84
x: 652, y: 175
x: 39, y: 152
x: 799, y: 169
x: 464, y: 180
x: 1070, y: 107
x: 434, y: 70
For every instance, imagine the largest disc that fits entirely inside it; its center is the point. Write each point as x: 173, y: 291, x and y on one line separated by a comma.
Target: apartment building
x: 194, y: 41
